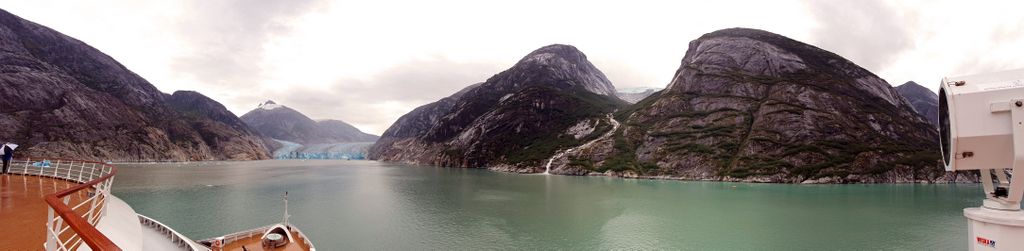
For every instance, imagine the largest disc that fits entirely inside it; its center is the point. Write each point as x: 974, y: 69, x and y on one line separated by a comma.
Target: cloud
x: 624, y: 75
x: 373, y: 103
x: 869, y: 33
x: 1003, y: 39
x: 367, y: 62
x: 225, y: 38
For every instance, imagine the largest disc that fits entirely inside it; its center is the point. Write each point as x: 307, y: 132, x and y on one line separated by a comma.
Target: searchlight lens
x: 944, y: 136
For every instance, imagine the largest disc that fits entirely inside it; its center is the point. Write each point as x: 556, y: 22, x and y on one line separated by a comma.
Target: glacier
x: 345, y: 151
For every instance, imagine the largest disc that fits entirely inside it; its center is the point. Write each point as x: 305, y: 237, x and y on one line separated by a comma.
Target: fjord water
x: 370, y: 205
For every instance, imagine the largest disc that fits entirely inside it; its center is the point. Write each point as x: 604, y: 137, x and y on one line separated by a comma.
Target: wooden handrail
x: 87, y: 232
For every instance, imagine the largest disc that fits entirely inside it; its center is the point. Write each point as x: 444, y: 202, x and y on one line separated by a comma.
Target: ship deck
x: 253, y: 244
x: 23, y: 210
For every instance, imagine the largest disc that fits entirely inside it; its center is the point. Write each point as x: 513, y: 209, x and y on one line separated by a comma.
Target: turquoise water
x: 366, y: 205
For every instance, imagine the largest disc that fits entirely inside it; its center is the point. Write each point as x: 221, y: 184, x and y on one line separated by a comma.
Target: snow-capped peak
x: 268, y: 105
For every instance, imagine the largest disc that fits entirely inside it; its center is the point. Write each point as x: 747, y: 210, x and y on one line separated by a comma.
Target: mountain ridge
x: 923, y: 100
x: 284, y: 123
x: 488, y: 124
x: 65, y: 98
x: 750, y: 105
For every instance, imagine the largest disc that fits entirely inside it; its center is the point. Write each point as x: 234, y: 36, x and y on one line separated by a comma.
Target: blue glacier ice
x: 348, y: 151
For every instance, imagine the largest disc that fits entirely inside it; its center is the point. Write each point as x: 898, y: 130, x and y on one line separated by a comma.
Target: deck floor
x: 253, y: 244
x: 23, y: 211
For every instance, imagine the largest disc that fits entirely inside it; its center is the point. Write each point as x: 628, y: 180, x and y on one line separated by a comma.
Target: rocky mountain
x: 924, y: 101
x: 552, y: 99
x: 283, y: 123
x: 62, y: 97
x: 633, y: 95
x: 751, y: 105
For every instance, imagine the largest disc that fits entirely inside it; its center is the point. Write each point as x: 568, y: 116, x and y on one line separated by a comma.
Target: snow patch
x: 503, y: 98
x: 609, y: 134
x: 269, y: 105
x: 581, y: 129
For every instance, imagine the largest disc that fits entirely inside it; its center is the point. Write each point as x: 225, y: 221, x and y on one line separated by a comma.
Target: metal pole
x: 51, y: 236
x: 106, y: 195
x: 285, y: 209
x: 70, y: 166
x: 81, y: 169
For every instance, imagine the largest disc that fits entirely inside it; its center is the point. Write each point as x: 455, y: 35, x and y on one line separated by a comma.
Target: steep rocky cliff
x: 224, y: 132
x: 283, y: 123
x: 62, y: 97
x: 924, y: 101
x: 752, y: 105
x: 550, y: 100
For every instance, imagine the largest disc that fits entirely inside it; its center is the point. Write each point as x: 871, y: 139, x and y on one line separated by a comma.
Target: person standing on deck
x: 8, y: 151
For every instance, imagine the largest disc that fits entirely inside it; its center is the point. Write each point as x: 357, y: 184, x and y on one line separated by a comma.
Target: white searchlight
x: 981, y: 127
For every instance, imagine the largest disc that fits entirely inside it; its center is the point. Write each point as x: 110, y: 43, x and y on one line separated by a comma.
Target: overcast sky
x: 369, y: 62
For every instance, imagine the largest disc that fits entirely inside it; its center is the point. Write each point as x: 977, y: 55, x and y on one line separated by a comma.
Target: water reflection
x: 370, y: 205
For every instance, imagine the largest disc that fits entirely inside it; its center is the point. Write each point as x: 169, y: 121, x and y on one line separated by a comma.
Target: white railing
x: 69, y: 226
x: 305, y: 239
x: 229, y: 238
x: 177, y: 238
x: 77, y: 171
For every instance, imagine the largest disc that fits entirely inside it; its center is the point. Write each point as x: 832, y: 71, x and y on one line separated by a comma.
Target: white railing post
x: 97, y: 209
x: 92, y: 205
x: 70, y: 166
x: 55, y: 168
x: 106, y: 194
x: 81, y: 169
x: 58, y: 223
x: 51, y: 239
